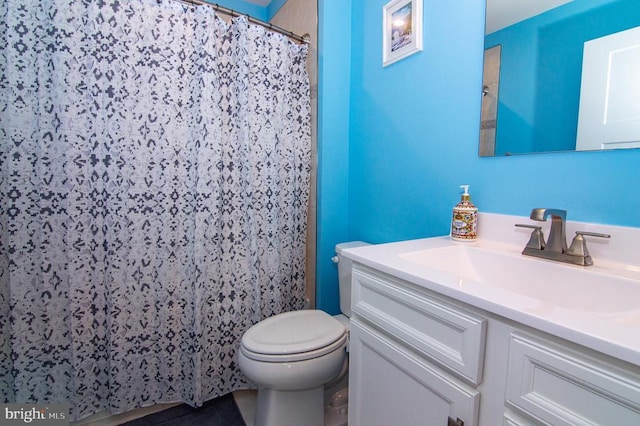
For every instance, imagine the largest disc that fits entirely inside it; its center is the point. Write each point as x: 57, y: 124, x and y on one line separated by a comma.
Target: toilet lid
x: 293, y: 333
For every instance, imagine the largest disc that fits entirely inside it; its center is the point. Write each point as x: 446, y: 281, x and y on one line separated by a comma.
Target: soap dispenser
x: 464, y: 225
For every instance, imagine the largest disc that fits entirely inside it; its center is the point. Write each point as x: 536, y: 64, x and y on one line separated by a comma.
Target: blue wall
x: 273, y: 8
x: 540, y: 71
x: 334, y: 61
x: 395, y: 142
x: 245, y: 8
x: 259, y: 12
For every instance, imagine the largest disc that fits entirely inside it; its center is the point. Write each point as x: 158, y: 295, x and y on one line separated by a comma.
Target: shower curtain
x: 154, y: 177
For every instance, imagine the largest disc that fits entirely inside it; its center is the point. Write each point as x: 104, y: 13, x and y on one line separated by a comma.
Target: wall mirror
x: 560, y: 75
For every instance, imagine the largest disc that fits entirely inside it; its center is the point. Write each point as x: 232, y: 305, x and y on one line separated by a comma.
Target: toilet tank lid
x: 351, y: 244
x: 293, y: 332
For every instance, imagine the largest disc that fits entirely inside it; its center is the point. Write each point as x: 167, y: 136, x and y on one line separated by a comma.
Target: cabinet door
x: 391, y: 385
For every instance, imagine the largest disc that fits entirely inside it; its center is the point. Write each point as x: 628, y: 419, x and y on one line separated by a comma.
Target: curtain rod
x: 302, y: 39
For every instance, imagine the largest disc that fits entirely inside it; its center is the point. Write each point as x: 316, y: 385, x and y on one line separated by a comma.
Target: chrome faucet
x: 556, y: 246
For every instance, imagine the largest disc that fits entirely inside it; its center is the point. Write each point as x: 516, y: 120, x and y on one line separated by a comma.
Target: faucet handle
x: 536, y: 241
x: 579, y: 245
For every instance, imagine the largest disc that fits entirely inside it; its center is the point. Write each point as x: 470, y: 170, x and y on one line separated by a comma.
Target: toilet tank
x: 344, y: 275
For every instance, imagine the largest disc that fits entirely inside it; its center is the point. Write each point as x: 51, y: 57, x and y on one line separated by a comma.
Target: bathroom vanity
x: 446, y: 333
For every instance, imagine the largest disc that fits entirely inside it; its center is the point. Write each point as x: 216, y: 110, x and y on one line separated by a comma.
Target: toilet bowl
x: 293, y: 356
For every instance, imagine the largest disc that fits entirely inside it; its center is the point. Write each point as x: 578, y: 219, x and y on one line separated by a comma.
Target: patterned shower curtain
x: 154, y: 177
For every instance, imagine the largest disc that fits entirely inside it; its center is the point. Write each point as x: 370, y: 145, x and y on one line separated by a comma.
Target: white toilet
x: 293, y: 355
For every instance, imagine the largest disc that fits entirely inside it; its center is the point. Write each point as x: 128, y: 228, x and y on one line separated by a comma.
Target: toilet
x: 296, y: 358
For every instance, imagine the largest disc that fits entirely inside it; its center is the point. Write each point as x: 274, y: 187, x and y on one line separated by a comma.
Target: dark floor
x: 222, y: 411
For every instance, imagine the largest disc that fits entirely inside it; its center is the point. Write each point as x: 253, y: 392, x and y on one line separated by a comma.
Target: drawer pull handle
x: 456, y: 422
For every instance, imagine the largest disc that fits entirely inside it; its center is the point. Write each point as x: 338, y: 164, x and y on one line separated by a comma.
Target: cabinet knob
x: 456, y: 422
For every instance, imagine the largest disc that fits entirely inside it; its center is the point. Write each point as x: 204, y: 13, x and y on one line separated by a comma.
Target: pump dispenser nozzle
x: 465, y: 196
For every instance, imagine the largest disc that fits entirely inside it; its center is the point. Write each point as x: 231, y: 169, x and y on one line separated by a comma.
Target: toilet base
x: 336, y: 413
x: 290, y: 408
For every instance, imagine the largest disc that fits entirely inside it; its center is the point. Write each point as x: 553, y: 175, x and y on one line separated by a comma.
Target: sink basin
x: 552, y: 284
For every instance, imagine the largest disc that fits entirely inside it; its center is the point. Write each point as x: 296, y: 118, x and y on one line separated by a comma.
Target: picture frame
x: 401, y: 30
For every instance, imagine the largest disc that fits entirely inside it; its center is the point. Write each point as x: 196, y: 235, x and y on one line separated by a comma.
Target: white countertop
x: 614, y: 334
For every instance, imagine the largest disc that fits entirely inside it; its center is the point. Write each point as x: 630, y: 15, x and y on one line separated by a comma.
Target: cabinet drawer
x: 559, y: 386
x: 443, y: 332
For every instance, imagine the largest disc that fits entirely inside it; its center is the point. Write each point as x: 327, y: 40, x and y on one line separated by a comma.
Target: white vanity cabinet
x: 420, y: 358
x: 414, y: 359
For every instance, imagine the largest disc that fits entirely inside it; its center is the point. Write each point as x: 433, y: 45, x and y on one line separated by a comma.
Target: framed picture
x: 401, y: 30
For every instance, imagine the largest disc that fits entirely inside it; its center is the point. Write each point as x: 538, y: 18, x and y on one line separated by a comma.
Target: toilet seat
x: 294, y: 336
